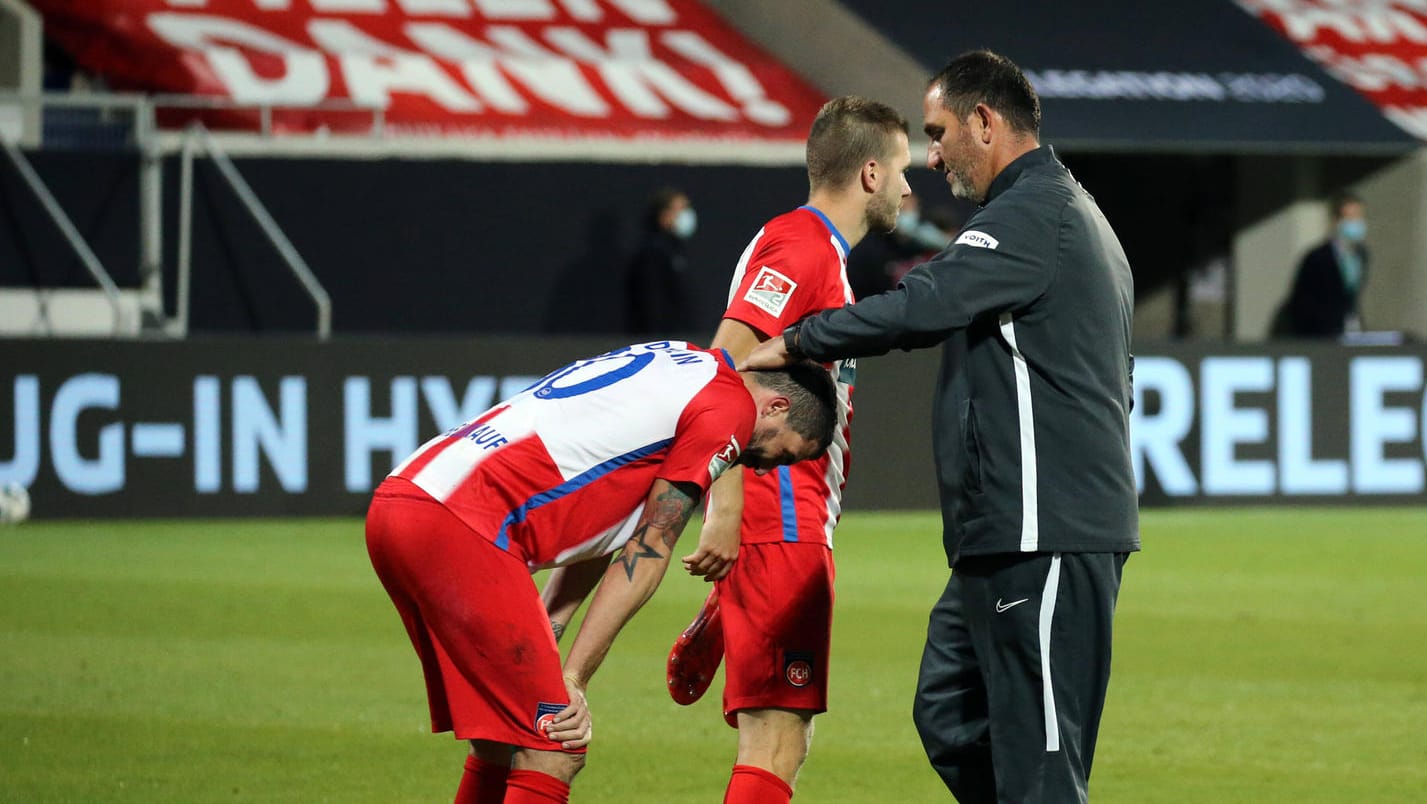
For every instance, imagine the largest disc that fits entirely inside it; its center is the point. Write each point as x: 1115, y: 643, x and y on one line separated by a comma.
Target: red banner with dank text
x: 1378, y: 48
x: 624, y: 69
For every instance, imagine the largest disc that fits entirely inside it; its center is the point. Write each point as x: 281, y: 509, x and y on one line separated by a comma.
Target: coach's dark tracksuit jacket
x: 1033, y: 302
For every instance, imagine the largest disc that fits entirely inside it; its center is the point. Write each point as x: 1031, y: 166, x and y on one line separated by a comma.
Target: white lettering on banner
x: 553, y: 79
x: 1223, y: 425
x: 441, y: 400
x: 1386, y: 416
x: 1155, y: 440
x: 479, y: 67
x: 397, y: 435
x: 207, y: 435
x: 636, y: 77
x: 373, y: 69
x: 1372, y: 72
x: 262, y: 5
x: 364, y: 433
x: 645, y: 12
x: 735, y: 77
x: 537, y: 10
x: 1298, y: 471
x: 349, y: 6
x: 304, y: 78
x: 104, y: 473
x: 1177, y: 86
x: 436, y: 8
x: 342, y: 38
x: 1359, y: 24
x: 1374, y: 47
x: 1232, y: 426
x: 1376, y: 424
x: 372, y: 79
x: 25, y: 464
x: 1413, y: 120
x: 281, y: 439
x: 255, y: 429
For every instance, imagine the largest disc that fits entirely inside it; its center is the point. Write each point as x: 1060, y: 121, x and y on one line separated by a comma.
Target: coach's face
x: 953, y: 148
x: 774, y: 444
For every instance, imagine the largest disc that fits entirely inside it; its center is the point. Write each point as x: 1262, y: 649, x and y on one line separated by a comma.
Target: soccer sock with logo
x: 482, y: 783
x: 534, y: 787
x: 753, y: 785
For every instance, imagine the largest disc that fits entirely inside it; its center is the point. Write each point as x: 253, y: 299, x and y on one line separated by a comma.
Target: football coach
x: 1032, y: 304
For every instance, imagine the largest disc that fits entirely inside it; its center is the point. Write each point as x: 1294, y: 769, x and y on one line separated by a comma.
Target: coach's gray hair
x: 812, y: 398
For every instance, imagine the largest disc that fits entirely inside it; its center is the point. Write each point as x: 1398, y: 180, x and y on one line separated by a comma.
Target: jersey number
x: 582, y: 379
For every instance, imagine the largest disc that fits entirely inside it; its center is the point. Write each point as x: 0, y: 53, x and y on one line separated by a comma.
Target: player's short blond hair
x: 847, y: 132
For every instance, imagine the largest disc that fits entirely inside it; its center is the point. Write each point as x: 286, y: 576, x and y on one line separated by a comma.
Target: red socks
x: 534, y: 787
x: 482, y: 783
x: 752, y: 785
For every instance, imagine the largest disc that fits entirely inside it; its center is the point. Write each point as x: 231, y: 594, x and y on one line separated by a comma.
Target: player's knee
x: 774, y: 739
x: 560, y: 764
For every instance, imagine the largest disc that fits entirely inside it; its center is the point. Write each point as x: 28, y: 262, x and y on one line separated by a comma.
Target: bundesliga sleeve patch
x: 971, y: 237
x: 770, y: 291
x: 723, y: 459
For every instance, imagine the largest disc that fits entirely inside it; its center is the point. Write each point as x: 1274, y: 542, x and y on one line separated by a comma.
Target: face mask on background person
x: 1354, y: 231
x: 686, y: 223
x: 907, y: 221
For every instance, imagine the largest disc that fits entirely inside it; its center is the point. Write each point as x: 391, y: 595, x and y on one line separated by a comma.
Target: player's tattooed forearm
x: 635, y: 549
x: 558, y: 628
x: 671, y: 512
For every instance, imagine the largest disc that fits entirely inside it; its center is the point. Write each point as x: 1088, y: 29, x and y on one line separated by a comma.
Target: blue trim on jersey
x: 574, y: 484
x: 727, y: 358
x: 835, y: 233
x: 790, y: 511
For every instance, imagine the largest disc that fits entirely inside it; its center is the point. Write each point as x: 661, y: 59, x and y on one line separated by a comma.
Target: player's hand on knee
x: 717, y: 550
x: 572, y: 726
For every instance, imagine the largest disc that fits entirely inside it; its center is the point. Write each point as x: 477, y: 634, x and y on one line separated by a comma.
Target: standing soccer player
x: 605, y: 455
x: 775, y: 602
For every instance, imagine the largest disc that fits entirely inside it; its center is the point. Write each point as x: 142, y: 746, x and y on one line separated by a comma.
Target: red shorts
x: 474, y: 616
x: 776, y: 606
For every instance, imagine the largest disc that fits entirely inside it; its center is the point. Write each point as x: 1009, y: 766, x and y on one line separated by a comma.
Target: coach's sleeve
x: 1002, y: 261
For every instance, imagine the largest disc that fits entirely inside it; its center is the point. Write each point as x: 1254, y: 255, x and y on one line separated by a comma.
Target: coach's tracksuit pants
x: 1014, y: 673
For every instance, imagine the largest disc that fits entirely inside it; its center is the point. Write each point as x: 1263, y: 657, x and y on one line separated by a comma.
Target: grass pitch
x: 1261, y: 656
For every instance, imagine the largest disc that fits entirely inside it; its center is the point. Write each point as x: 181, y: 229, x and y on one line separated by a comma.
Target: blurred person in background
x: 1324, y: 300
x: 656, y: 285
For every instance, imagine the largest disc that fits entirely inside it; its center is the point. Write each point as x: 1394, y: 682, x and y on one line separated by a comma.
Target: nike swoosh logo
x: 1000, y: 607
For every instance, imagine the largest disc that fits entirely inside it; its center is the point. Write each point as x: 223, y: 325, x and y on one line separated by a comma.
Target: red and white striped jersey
x: 796, y: 266
x: 560, y: 472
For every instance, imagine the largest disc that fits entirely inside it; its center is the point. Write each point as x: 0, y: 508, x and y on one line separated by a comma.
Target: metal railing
x: 131, y: 122
x: 197, y: 137
x: 71, y: 234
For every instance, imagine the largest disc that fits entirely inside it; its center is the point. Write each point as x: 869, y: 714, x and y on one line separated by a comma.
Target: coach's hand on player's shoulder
x: 717, y: 550
x: 572, y: 727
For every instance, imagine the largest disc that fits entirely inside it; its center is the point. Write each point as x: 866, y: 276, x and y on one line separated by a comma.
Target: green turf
x: 1262, y: 656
